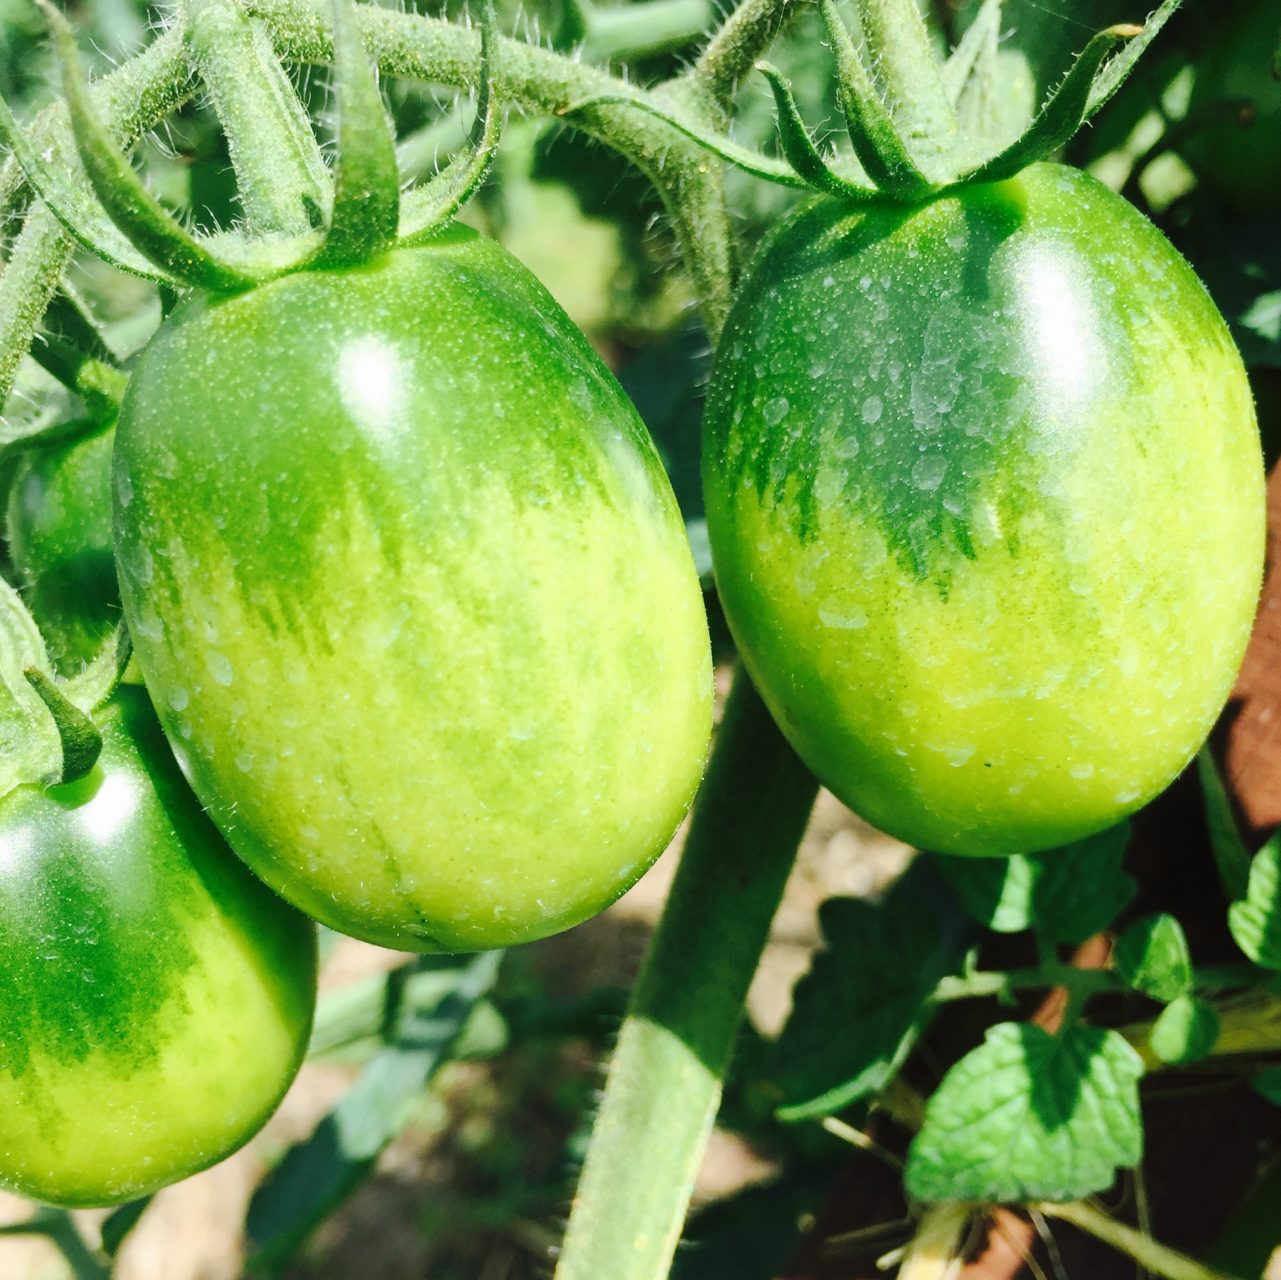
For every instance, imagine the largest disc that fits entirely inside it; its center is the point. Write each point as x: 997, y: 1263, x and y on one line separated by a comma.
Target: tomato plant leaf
x: 116, y: 1227
x: 318, y: 1174
x: 1152, y: 956
x: 30, y: 749
x: 1267, y: 1084
x: 425, y: 210
x: 1061, y: 114
x: 1230, y: 854
x: 1030, y: 1116
x: 880, y: 148
x: 859, y: 1010
x: 1185, y: 1032
x: 1065, y: 894
x: 1255, y: 920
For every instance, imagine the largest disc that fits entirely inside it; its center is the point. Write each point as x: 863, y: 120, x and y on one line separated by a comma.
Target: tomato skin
x: 1241, y: 163
x: 985, y: 499
x: 157, y: 998
x: 413, y: 596
x: 59, y: 528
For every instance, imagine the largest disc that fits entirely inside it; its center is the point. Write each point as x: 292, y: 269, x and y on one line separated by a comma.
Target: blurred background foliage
x: 1194, y: 139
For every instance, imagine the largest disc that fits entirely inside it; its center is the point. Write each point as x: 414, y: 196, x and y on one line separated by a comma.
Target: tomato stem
x: 281, y: 179
x: 675, y: 1044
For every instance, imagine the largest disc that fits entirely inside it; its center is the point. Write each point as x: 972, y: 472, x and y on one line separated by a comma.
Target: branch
x: 735, y: 49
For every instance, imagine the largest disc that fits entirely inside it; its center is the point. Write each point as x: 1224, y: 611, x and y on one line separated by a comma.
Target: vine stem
x: 1151, y: 1255
x: 732, y: 52
x: 675, y: 1045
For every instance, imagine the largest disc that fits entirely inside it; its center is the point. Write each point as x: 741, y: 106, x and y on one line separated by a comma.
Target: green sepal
x: 90, y: 687
x: 426, y: 209
x: 282, y: 182
x: 80, y: 739
x: 972, y: 79
x: 966, y: 60
x: 74, y: 205
x: 72, y: 350
x: 799, y: 147
x: 30, y: 749
x: 145, y: 223
x: 877, y: 142
x: 909, y: 75
x: 1113, y: 76
x: 366, y: 212
x: 1062, y: 113
x: 744, y: 158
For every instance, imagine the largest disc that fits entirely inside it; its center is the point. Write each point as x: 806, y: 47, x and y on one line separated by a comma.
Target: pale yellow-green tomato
x: 410, y: 587
x: 986, y: 506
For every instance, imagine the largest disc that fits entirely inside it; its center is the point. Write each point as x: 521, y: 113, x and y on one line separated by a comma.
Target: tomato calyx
x: 916, y: 125
x: 117, y: 218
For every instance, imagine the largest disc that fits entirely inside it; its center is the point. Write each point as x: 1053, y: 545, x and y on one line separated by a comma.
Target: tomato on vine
x: 986, y: 506
x: 59, y: 533
x: 413, y: 596
x: 157, y: 998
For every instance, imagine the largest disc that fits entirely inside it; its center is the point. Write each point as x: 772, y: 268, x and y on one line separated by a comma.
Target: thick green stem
x: 1148, y: 1253
x: 665, y: 1078
x: 733, y: 51
x: 639, y: 30
x: 37, y: 262
x: 280, y: 175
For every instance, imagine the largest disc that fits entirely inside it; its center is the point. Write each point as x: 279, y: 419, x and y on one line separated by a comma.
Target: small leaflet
x: 1152, y: 956
x: 1185, y: 1032
x: 859, y: 1010
x: 1066, y: 894
x: 1030, y: 1116
x: 1255, y: 920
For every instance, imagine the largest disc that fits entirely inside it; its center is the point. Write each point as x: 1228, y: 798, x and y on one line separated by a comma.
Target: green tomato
x: 1242, y: 163
x: 60, y: 540
x: 985, y: 499
x: 410, y: 587
x: 157, y: 998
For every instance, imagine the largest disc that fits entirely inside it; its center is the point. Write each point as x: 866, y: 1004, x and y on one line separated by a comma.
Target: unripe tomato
x: 59, y: 532
x: 156, y: 999
x: 985, y: 499
x: 410, y: 587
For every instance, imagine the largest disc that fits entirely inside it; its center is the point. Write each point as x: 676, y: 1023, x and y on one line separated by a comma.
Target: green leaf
x: 1060, y: 116
x: 1267, y: 1084
x: 318, y: 1174
x: 366, y: 210
x: 859, y: 1010
x: 877, y: 142
x: 30, y: 749
x: 1152, y: 956
x: 1030, y: 1116
x: 1185, y: 1032
x: 1230, y: 854
x: 116, y: 1228
x: 1066, y: 894
x: 80, y: 740
x: 1255, y: 920
x: 428, y: 208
